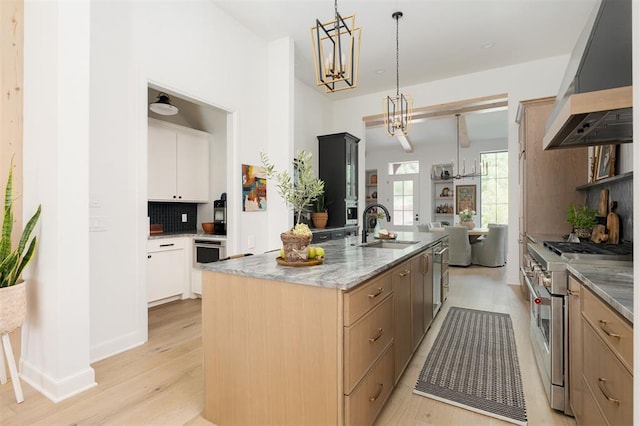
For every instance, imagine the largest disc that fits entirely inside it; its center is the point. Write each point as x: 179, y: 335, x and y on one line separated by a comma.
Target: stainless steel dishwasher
x: 440, y: 274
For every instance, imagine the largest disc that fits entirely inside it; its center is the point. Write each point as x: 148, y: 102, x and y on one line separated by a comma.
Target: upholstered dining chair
x: 491, y: 251
x: 459, y: 246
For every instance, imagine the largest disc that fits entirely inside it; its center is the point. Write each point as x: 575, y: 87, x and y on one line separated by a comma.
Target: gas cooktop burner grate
x: 588, y: 247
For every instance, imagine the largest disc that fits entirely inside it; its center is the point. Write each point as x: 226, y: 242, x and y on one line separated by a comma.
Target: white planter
x: 13, y: 307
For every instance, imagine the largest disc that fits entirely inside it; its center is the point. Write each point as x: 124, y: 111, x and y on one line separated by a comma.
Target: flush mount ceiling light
x: 398, y: 108
x: 484, y: 167
x: 163, y: 106
x: 336, y: 48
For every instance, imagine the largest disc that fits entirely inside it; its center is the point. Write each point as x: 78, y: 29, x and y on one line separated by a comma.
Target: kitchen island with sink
x: 321, y: 344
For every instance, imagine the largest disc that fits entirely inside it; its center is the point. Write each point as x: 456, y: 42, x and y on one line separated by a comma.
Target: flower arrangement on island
x: 466, y: 215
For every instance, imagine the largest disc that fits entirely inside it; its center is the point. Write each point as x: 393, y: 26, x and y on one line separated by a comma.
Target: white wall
x: 523, y: 81
x: 205, y: 55
x: 56, y: 336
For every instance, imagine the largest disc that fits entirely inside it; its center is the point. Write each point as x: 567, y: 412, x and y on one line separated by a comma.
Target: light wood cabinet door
x: 401, y: 279
x: 364, y: 297
x: 575, y: 349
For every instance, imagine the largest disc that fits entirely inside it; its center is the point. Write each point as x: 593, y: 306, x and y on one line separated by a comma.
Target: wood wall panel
x: 11, y: 101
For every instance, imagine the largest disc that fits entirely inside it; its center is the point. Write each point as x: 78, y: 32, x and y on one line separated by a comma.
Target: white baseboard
x: 57, y: 389
x: 116, y: 346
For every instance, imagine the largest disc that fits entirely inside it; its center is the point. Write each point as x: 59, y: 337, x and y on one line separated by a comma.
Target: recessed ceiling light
x: 380, y: 71
x: 488, y: 45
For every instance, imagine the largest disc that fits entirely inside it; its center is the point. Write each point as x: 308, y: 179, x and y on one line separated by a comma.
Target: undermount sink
x: 389, y: 244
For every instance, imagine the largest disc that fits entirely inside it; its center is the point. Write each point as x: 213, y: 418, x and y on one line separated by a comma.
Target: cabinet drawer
x: 591, y: 414
x: 608, y: 381
x: 364, y: 297
x: 337, y: 235
x: 365, y: 340
x: 319, y: 237
x: 366, y: 401
x: 612, y: 328
x: 161, y: 244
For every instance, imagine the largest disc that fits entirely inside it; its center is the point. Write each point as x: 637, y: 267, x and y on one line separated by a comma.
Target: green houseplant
x: 13, y: 262
x: 582, y: 219
x: 297, y: 192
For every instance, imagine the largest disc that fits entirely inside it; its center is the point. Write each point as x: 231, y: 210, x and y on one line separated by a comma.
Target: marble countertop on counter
x: 345, y: 265
x: 611, y: 281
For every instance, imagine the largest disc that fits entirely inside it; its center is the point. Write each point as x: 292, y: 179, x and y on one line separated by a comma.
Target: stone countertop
x: 345, y: 265
x: 611, y: 281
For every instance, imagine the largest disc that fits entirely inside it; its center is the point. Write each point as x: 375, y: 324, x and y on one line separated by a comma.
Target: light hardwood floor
x: 160, y: 382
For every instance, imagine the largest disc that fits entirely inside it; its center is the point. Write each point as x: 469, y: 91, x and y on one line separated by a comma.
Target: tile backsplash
x: 622, y: 192
x: 169, y: 215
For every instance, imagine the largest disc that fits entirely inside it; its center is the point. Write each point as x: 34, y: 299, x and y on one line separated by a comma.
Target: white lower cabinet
x: 167, y: 270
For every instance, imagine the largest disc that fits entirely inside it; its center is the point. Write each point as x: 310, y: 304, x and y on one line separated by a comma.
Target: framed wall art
x: 606, y: 160
x: 465, y: 197
x: 254, y: 189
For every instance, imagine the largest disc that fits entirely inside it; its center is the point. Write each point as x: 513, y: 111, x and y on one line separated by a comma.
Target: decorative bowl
x: 207, y: 227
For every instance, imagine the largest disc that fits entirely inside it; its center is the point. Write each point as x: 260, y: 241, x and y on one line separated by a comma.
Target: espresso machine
x: 220, y: 215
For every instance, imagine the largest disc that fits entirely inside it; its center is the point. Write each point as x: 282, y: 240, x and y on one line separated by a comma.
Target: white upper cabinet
x: 178, y: 162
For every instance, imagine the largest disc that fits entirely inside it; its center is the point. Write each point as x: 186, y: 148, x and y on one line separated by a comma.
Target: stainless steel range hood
x: 594, y: 105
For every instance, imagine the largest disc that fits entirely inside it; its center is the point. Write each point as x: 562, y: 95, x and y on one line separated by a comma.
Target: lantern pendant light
x: 398, y: 108
x: 336, y: 46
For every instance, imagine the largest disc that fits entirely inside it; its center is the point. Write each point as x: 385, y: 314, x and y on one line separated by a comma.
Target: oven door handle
x: 526, y: 278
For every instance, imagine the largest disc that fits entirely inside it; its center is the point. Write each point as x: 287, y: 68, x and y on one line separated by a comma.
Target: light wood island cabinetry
x: 277, y: 352
x: 600, y: 360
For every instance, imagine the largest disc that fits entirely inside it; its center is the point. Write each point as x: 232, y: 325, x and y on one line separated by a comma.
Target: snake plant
x: 12, y: 262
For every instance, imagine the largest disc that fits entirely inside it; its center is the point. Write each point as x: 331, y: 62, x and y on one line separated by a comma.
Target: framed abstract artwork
x: 254, y: 189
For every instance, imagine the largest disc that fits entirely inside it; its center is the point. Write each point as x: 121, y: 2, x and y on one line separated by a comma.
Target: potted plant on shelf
x: 466, y: 218
x: 13, y: 302
x: 297, y: 193
x: 582, y: 219
x: 320, y: 214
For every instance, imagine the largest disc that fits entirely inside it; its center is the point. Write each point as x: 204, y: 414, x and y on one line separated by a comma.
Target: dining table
x: 474, y: 233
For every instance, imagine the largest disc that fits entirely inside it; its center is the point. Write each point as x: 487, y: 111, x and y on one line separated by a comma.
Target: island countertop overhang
x: 345, y: 265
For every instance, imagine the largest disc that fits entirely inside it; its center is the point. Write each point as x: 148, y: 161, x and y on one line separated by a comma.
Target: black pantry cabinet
x: 338, y: 168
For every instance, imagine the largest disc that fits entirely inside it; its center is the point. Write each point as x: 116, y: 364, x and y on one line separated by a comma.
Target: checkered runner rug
x: 473, y: 364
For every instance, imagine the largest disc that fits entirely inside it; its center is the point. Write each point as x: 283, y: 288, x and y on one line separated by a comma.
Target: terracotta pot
x: 468, y: 223
x: 295, y: 246
x: 13, y: 307
x: 320, y: 219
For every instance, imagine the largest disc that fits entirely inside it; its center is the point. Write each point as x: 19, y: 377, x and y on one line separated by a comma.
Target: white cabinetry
x: 167, y: 269
x: 178, y: 161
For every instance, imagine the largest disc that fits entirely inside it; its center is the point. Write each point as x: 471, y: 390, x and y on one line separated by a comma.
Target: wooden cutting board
x: 613, y: 225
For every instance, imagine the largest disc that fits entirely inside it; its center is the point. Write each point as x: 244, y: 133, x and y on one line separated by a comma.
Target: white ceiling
x: 438, y: 39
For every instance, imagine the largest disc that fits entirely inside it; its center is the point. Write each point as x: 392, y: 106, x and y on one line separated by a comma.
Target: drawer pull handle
x: 601, y: 383
x: 167, y: 245
x: 374, y: 397
x: 379, y: 335
x: 405, y: 273
x: 603, y: 325
x: 573, y: 292
x: 378, y: 293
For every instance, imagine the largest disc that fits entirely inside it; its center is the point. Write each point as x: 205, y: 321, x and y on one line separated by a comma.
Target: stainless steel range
x: 546, y: 277
x: 545, y: 272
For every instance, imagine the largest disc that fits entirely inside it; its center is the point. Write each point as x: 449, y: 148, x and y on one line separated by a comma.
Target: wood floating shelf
x: 605, y: 181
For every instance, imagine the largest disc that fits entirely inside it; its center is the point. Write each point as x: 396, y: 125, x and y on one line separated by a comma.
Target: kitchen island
x: 322, y: 344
